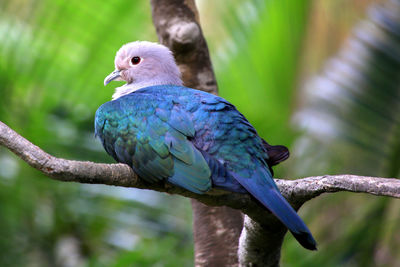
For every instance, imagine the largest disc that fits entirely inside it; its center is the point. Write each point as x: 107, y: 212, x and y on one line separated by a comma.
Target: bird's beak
x: 115, y: 75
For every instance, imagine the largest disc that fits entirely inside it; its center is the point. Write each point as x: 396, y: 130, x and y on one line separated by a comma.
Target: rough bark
x: 216, y: 230
x: 253, y: 238
x: 178, y: 27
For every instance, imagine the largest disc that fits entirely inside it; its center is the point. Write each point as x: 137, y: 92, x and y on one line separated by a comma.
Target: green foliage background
x: 54, y: 55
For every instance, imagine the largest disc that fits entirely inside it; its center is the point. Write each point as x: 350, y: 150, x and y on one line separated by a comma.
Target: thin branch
x: 306, y: 188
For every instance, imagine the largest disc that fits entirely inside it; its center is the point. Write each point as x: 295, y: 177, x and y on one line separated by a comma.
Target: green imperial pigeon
x: 189, y: 138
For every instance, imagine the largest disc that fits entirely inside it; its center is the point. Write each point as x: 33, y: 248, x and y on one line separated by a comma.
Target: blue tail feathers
x: 263, y: 188
x: 278, y: 205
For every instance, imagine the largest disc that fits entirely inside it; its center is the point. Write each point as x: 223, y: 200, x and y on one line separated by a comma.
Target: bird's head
x: 142, y: 64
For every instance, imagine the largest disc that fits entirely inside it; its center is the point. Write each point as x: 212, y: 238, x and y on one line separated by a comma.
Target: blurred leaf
x: 54, y: 56
x: 351, y: 125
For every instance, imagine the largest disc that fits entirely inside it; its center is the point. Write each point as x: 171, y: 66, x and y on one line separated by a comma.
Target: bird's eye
x: 135, y: 60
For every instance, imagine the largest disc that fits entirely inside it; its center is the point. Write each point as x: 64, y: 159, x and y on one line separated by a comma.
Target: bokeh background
x: 321, y: 77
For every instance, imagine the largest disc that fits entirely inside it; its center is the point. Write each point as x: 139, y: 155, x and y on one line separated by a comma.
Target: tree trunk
x: 216, y: 230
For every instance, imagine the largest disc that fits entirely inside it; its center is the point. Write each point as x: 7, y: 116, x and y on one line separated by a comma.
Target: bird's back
x: 222, y: 134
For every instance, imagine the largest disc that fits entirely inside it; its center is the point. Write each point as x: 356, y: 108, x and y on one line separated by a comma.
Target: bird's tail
x: 264, y: 190
x: 278, y: 205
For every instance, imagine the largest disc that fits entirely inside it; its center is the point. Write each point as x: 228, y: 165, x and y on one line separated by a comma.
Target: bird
x: 192, y: 139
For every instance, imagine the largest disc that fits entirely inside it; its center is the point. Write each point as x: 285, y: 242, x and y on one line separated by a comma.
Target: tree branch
x: 296, y: 191
x: 261, y: 224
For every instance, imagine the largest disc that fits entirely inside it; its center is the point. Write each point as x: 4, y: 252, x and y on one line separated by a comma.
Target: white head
x: 142, y: 64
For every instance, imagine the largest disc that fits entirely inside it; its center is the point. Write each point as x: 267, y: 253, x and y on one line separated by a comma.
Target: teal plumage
x: 153, y: 139
x: 195, y: 140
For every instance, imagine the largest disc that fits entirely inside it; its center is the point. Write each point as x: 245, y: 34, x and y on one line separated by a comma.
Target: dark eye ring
x: 135, y: 60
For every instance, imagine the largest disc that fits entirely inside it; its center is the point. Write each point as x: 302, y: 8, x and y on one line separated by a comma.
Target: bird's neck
x: 136, y: 85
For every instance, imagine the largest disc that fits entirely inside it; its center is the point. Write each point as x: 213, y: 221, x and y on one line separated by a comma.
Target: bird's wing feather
x: 153, y: 139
